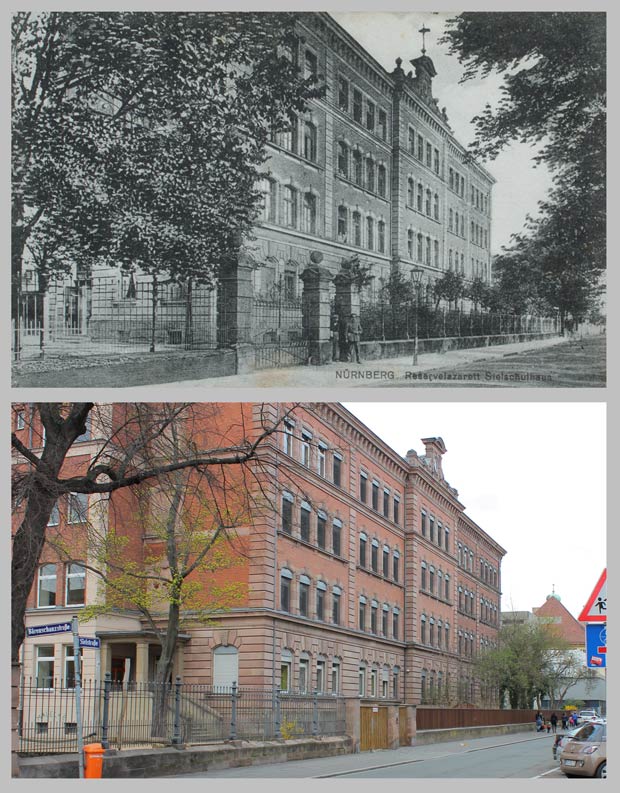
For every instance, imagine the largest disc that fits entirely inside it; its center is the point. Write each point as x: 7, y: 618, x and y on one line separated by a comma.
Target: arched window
x: 423, y: 629
x: 420, y: 200
x: 289, y: 205
x: 381, y: 236
x: 357, y: 167
x: 410, y: 191
x: 436, y: 206
x: 451, y: 220
x: 357, y: 229
x: 420, y: 247
x: 410, y: 243
x: 427, y: 207
x: 225, y: 666
x: 342, y: 223
x: 370, y: 233
x: 75, y: 582
x: 285, y: 589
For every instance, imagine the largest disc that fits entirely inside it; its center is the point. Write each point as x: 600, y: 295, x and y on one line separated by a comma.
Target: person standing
x: 564, y: 720
x: 354, y: 334
x: 335, y: 333
x: 554, y: 722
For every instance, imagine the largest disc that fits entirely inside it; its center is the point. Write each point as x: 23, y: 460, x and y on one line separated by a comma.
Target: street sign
x: 46, y: 630
x: 595, y: 609
x: 596, y: 645
x: 90, y: 641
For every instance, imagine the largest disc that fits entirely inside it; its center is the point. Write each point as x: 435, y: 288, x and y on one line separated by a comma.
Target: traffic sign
x: 90, y: 641
x: 46, y: 630
x: 595, y: 609
x: 596, y: 645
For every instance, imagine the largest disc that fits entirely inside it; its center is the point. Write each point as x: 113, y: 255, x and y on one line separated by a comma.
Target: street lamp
x: 416, y: 279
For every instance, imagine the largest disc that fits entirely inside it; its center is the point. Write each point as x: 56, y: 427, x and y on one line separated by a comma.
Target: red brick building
x: 364, y: 574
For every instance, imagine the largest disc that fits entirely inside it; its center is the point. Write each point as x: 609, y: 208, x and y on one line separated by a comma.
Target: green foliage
x: 138, y: 136
x: 553, y: 97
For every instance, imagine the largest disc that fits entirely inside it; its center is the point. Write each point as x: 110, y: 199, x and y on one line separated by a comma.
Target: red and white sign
x: 595, y: 609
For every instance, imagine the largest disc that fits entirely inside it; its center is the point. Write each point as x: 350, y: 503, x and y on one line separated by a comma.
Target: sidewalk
x: 341, y: 765
x: 383, y: 372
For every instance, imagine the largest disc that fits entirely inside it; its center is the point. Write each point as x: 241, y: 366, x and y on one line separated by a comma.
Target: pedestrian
x: 554, y: 722
x: 564, y: 720
x: 354, y: 333
x: 548, y: 726
x: 334, y: 332
x: 539, y: 722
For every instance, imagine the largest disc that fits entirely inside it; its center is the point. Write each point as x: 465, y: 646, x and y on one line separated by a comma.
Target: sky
x: 531, y: 475
x: 387, y: 36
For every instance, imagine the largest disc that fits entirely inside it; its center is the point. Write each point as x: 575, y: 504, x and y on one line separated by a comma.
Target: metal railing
x: 146, y: 714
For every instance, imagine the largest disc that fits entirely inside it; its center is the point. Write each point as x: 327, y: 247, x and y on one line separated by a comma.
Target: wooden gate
x: 373, y: 728
x: 404, y: 739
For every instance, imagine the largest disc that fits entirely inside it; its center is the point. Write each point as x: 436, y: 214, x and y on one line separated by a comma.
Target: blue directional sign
x: 46, y: 630
x: 90, y: 641
x: 596, y: 645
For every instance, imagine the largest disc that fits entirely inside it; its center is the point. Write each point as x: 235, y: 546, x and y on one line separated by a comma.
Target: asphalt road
x: 523, y: 756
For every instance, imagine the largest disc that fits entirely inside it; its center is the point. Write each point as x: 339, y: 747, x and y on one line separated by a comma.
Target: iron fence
x: 114, y: 313
x: 389, y: 322
x: 147, y: 714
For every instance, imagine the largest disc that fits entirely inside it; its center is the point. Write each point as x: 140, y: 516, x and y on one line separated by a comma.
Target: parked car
x: 585, y: 753
x: 587, y: 715
x: 561, y: 739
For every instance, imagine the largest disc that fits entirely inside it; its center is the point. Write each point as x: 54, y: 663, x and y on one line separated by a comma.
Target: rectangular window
x: 343, y: 94
x: 337, y: 470
x: 304, y: 523
x: 336, y: 608
x: 335, y: 678
x: 373, y: 619
x: 45, y: 666
x: 363, y: 551
x: 373, y: 682
x: 320, y: 676
x: 289, y: 204
x: 396, y: 506
x: 320, y: 530
x: 357, y: 229
x: 395, y: 625
x: 357, y: 105
x: 304, y: 668
x: 386, y: 503
x: 361, y: 681
x: 20, y: 420
x: 370, y: 115
x: 420, y: 148
x: 320, y: 604
x: 47, y: 586
x: 285, y: 593
x: 436, y: 161
x: 336, y: 538
x: 310, y: 138
x: 305, y: 448
x: 320, y: 459
x: 287, y: 438
x: 75, y: 585
x: 54, y: 518
x: 310, y: 64
x: 78, y: 508
x: 285, y: 676
x: 429, y: 155
x: 287, y: 513
x: 384, y: 622
x: 363, y: 487
x: 304, y: 590
x: 411, y: 141
x: 395, y: 567
x: 69, y: 666
x: 309, y: 210
x: 374, y: 557
x: 362, y: 617
x: 431, y: 528
x: 375, y: 496
x: 386, y: 562
x: 383, y: 124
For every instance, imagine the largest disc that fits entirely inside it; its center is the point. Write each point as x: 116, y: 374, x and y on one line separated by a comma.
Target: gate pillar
x: 315, y: 309
x: 347, y: 301
x: 234, y: 302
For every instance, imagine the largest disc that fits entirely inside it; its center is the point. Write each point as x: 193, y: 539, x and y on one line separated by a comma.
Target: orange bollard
x: 93, y: 760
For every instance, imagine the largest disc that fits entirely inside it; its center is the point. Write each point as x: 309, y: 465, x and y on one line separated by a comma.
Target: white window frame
x: 69, y: 576
x: 46, y: 659
x: 44, y: 577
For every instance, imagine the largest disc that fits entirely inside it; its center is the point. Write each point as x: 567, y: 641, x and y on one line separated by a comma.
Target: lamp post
x: 416, y: 279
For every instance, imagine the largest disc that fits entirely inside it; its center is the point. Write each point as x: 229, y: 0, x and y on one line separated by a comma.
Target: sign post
x: 78, y: 695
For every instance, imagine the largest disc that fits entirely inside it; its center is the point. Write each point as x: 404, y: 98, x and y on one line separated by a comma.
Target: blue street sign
x: 46, y: 630
x: 90, y: 641
x: 596, y: 645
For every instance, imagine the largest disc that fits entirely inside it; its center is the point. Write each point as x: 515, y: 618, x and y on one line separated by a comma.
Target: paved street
x: 545, y: 363
x: 523, y: 755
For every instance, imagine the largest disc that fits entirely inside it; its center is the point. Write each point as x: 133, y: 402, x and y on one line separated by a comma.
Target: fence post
x: 107, y: 685
x: 276, y: 721
x: 315, y: 713
x: 233, y: 712
x: 176, y: 734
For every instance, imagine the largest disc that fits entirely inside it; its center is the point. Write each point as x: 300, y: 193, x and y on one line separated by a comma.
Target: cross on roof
x: 424, y: 30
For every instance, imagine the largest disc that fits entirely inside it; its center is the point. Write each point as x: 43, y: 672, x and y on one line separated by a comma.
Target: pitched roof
x: 570, y: 629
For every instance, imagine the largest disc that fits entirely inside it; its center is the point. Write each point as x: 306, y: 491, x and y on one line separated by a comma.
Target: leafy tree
x: 554, y: 97
x: 138, y: 136
x: 478, y: 292
x: 450, y: 287
x: 133, y: 441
